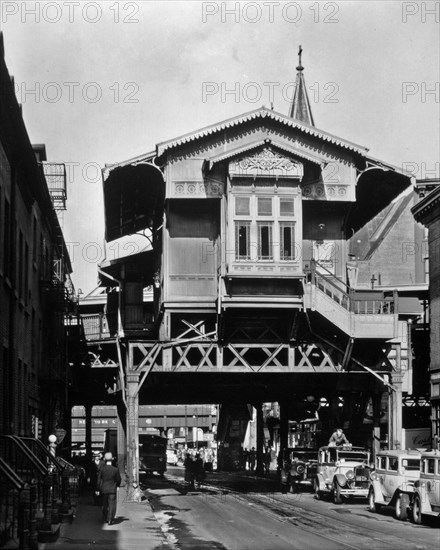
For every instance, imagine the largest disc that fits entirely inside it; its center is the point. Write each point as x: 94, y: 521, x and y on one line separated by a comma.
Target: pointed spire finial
x: 300, y: 67
x: 300, y: 108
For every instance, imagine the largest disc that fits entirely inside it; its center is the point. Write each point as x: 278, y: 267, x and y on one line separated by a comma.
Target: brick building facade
x: 34, y: 282
x: 427, y: 212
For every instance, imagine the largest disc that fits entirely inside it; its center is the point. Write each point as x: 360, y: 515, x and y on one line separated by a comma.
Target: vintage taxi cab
x: 426, y: 497
x: 303, y: 467
x: 342, y: 471
x: 392, y: 482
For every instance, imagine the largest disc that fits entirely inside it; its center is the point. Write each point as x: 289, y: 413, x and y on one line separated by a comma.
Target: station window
x: 265, y: 241
x: 287, y: 241
x: 264, y: 206
x: 242, y: 206
x: 264, y: 228
x: 242, y: 240
x: 286, y: 207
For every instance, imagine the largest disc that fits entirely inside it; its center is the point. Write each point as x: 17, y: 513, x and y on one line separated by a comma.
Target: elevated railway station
x: 248, y: 224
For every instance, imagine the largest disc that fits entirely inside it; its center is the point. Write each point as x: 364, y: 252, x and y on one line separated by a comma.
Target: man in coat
x: 109, y: 479
x: 338, y: 438
x: 93, y: 476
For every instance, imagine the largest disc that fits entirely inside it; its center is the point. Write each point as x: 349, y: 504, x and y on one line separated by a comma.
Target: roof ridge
x: 262, y: 112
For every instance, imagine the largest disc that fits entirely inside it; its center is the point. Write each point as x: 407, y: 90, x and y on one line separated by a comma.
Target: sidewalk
x: 135, y: 528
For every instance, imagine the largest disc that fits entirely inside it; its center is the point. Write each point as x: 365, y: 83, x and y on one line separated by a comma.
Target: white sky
x: 359, y: 57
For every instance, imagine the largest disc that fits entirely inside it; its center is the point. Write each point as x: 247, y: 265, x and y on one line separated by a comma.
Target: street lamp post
x: 197, y: 430
x: 186, y: 426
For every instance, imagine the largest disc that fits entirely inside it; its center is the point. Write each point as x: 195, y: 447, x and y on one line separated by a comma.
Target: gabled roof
x: 262, y: 113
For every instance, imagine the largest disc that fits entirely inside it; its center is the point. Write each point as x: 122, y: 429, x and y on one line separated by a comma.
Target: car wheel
x: 372, y: 506
x: 337, y: 498
x: 317, y: 492
x: 417, y: 510
x: 402, y: 503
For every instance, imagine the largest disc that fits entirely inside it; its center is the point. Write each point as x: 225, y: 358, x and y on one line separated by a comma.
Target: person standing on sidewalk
x: 93, y: 476
x: 189, y: 470
x: 109, y: 479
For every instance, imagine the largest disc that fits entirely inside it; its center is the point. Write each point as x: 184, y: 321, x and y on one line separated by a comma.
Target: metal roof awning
x: 140, y: 264
x: 408, y: 305
x: 376, y: 188
x: 133, y: 199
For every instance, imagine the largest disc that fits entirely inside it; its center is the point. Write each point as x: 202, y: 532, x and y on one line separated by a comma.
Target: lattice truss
x: 195, y: 350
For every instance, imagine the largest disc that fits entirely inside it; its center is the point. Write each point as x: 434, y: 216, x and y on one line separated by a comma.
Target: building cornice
x: 428, y: 209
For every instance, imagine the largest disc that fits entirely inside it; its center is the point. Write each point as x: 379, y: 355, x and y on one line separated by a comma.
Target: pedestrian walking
x: 95, y: 466
x: 199, y: 472
x: 286, y: 465
x: 109, y: 479
x: 267, y: 459
x: 246, y: 459
x: 252, y: 459
x: 189, y: 470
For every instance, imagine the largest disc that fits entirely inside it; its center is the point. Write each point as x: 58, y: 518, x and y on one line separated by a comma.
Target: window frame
x: 270, y: 243
x: 283, y: 225
x: 238, y: 224
x: 260, y: 217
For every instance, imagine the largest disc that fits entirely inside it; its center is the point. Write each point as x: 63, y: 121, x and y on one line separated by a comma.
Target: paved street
x: 239, y: 512
x: 236, y: 512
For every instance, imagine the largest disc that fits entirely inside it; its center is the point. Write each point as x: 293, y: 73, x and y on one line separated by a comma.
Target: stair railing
x: 345, y: 296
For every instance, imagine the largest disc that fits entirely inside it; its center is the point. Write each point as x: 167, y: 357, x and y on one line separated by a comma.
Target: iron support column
x: 122, y: 442
x: 259, y: 471
x: 88, y: 411
x: 377, y: 398
x: 395, y: 411
x: 284, y: 425
x: 132, y: 432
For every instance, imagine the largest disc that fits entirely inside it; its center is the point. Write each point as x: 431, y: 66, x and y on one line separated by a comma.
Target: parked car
x: 152, y: 453
x: 342, y: 472
x: 426, y: 497
x: 392, y: 482
x: 172, y: 457
x: 304, y: 463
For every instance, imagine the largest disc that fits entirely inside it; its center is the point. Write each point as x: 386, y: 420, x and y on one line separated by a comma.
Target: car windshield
x: 411, y: 464
x: 305, y: 455
x: 352, y: 456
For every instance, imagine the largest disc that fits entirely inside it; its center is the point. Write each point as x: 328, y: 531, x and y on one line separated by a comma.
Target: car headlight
x: 349, y: 475
x: 373, y: 476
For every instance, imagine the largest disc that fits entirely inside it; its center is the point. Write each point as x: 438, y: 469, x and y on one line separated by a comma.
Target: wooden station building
x: 248, y: 223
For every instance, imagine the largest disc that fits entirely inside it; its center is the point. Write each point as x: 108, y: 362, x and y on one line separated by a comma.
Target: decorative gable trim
x: 268, y: 163
x: 253, y: 115
x: 259, y: 143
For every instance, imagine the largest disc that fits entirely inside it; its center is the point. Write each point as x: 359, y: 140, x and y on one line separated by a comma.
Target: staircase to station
x: 359, y: 314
